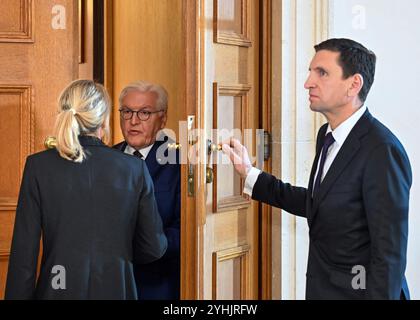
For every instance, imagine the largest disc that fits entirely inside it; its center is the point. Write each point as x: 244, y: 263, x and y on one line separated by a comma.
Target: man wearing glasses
x: 143, y: 114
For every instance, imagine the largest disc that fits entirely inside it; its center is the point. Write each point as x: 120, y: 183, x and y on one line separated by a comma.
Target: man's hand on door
x: 238, y: 154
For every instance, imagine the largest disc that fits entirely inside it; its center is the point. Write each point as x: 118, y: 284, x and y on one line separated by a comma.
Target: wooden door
x: 38, y: 58
x: 227, y: 105
x: 147, y: 44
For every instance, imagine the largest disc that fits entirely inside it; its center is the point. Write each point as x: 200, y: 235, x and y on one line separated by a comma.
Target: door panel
x: 229, y: 64
x: 38, y: 58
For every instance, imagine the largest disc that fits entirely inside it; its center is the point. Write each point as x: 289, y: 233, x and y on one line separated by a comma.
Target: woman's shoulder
x: 120, y: 159
x: 121, y: 156
x: 40, y: 155
x: 103, y: 156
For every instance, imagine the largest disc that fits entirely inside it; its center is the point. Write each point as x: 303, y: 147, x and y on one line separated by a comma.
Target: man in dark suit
x: 143, y: 110
x: 357, y: 200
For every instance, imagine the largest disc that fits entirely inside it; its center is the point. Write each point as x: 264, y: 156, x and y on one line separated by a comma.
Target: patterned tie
x: 328, y: 141
x: 138, y: 154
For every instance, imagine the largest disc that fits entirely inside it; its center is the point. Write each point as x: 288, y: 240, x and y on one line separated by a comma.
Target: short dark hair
x: 354, y: 58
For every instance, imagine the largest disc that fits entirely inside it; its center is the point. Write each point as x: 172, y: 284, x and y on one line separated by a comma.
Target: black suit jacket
x: 161, y: 279
x: 359, y: 217
x: 96, y: 218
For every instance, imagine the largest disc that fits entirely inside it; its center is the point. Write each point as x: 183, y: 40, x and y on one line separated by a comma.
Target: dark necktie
x: 328, y: 141
x: 138, y: 154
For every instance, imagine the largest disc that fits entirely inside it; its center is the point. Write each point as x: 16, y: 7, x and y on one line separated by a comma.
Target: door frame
x: 191, y: 207
x: 266, y: 118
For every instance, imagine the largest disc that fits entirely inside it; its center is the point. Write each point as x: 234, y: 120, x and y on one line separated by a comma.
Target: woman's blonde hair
x: 84, y: 107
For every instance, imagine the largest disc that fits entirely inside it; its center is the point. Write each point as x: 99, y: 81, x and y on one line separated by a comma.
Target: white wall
x: 391, y: 29
x: 304, y: 23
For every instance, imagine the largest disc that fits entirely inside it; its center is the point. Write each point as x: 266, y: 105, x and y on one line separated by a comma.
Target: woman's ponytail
x: 84, y: 107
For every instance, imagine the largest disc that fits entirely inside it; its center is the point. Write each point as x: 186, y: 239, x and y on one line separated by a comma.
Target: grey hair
x: 145, y: 86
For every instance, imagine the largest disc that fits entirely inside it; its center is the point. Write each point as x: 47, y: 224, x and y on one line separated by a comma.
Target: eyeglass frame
x: 149, y: 113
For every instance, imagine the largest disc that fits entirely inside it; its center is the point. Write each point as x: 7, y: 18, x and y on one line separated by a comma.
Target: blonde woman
x: 93, y: 205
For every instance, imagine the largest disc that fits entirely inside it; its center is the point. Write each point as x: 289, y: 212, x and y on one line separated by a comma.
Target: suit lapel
x: 151, y: 161
x: 343, y: 158
x: 319, y: 143
x: 347, y: 152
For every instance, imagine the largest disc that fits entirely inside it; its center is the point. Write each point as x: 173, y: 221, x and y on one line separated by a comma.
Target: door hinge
x: 191, y: 141
x: 267, y: 145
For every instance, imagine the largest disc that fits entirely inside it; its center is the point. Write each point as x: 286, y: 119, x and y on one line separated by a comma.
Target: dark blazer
x: 161, y: 279
x: 358, y: 217
x: 96, y: 218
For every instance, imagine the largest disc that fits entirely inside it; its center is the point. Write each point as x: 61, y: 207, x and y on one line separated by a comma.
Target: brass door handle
x: 209, y: 175
x: 213, y: 147
x: 50, y: 142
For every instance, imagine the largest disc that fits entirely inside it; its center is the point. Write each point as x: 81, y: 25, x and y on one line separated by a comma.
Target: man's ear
x: 356, y: 85
x: 164, y: 119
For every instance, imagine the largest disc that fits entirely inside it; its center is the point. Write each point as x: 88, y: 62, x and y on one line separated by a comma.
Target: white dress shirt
x: 340, y: 135
x: 144, y: 151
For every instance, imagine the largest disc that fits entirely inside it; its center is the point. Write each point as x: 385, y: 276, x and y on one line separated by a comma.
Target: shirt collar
x: 343, y: 130
x: 144, y: 151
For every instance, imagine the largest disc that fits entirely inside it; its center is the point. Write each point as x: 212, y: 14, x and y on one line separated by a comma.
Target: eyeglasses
x: 142, y: 115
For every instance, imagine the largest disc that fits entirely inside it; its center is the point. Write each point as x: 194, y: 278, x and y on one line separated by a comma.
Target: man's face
x: 137, y: 133
x: 328, y: 91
